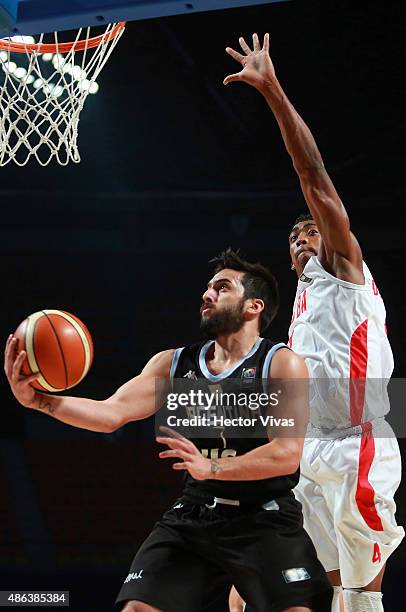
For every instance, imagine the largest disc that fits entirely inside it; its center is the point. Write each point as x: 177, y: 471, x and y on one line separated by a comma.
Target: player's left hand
x: 258, y: 69
x: 182, y: 448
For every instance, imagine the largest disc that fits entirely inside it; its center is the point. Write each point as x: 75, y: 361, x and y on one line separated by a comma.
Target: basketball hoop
x: 42, y: 96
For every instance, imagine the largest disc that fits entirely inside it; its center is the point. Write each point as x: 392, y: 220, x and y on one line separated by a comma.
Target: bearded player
x: 237, y: 520
x: 351, y: 466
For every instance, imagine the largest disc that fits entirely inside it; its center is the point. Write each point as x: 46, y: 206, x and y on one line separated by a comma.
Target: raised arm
x: 137, y: 399
x: 340, y: 250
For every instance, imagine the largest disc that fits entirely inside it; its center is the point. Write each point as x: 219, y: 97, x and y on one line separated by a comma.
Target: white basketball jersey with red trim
x: 340, y: 330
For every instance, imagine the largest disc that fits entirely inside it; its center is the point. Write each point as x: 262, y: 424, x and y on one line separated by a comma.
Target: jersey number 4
x: 376, y: 557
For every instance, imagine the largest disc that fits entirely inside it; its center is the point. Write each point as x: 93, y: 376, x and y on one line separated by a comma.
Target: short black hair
x: 258, y: 282
x: 303, y: 217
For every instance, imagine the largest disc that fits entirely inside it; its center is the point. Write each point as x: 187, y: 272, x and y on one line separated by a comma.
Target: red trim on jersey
x: 365, y: 494
x: 358, y: 371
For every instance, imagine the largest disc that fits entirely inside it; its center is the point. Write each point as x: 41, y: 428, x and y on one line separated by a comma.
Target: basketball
x: 59, y: 347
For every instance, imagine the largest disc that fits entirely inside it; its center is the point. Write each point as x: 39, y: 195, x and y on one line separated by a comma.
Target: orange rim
x: 79, y: 45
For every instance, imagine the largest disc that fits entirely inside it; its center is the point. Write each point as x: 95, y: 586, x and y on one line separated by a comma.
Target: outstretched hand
x: 182, y: 448
x: 258, y: 69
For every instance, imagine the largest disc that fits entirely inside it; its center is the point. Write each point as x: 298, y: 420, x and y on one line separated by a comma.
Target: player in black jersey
x: 237, y: 520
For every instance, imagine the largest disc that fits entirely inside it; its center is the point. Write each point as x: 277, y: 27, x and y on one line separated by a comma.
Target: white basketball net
x: 42, y: 95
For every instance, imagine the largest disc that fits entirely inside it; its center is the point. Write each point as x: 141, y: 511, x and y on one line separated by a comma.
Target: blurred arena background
x: 175, y: 167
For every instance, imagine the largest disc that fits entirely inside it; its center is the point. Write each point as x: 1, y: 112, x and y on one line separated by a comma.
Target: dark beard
x: 229, y: 321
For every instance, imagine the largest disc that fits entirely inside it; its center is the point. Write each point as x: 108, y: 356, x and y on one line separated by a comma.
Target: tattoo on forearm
x: 215, y: 467
x: 45, y: 403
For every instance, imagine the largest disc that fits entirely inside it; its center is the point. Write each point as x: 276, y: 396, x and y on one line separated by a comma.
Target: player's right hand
x: 19, y: 383
x: 257, y: 67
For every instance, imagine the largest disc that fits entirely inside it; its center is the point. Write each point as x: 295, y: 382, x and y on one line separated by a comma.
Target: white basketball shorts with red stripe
x: 346, y: 489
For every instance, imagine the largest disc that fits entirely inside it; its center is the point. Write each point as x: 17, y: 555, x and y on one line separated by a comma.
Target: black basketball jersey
x: 252, y: 370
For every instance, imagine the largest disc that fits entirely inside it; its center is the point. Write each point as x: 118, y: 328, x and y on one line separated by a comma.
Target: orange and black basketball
x: 59, y: 347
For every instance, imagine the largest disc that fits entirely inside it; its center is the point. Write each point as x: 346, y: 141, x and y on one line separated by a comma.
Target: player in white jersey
x: 351, y: 461
x: 344, y: 339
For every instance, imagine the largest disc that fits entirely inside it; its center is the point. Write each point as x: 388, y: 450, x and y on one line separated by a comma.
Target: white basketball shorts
x: 346, y: 489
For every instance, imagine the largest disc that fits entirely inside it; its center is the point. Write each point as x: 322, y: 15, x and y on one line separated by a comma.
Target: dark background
x: 175, y: 167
